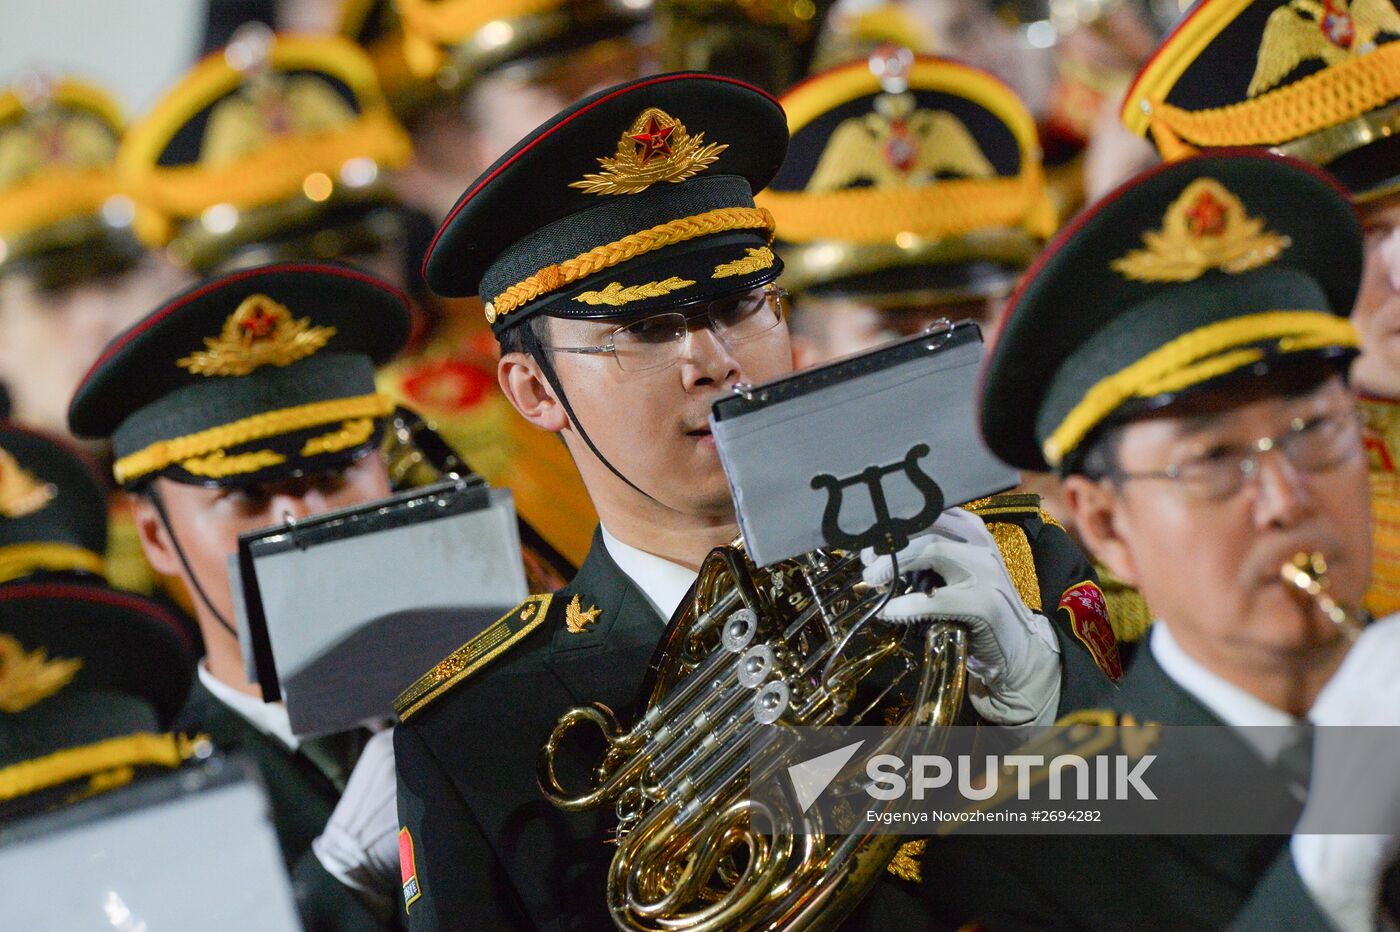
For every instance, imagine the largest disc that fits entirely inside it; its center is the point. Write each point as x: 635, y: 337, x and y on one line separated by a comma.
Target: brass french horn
x: 756, y: 653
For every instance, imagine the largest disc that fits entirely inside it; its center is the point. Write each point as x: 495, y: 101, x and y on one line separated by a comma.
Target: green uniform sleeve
x: 451, y: 877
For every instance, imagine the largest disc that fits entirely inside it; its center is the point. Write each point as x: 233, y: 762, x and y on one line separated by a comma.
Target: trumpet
x: 756, y: 653
x: 1308, y: 573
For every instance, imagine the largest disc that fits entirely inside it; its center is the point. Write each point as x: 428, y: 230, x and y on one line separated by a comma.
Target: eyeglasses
x: 660, y: 340
x: 1312, y: 444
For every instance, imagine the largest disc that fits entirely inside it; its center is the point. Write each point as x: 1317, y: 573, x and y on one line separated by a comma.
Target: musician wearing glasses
x: 1180, y: 357
x: 629, y: 278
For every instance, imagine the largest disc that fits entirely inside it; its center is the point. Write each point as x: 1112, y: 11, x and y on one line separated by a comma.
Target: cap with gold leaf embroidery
x: 53, y: 508
x: 62, y: 215
x: 1223, y: 265
x: 637, y: 198
x: 264, y: 373
x: 908, y: 177
x: 1315, y: 79
x: 277, y: 143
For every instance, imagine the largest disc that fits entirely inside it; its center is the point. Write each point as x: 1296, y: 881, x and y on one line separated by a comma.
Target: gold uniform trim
x: 551, y: 278
x: 18, y: 560
x: 143, y: 749
x: 755, y: 260
x: 473, y: 655
x: 1193, y: 358
x: 205, y: 449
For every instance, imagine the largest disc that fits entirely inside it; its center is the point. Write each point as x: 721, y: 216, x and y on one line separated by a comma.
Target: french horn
x: 755, y: 654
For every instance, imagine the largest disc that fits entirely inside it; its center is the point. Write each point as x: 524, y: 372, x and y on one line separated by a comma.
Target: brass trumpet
x: 757, y: 652
x: 1308, y: 572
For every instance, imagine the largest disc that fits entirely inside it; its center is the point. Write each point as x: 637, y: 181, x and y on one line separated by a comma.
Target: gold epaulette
x: 473, y: 655
x: 1008, y: 503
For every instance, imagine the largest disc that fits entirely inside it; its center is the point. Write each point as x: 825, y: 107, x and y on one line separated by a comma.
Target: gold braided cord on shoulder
x: 948, y: 208
x: 246, y: 430
x: 1309, y: 105
x: 142, y: 749
x: 1193, y: 358
x: 553, y: 277
x: 18, y: 560
x: 1019, y: 558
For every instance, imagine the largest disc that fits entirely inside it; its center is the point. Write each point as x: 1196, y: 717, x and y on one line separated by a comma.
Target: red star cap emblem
x: 1207, y: 216
x: 654, y: 140
x: 259, y: 324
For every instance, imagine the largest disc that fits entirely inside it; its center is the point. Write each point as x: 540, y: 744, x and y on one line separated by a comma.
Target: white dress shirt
x: 664, y: 583
x: 270, y: 718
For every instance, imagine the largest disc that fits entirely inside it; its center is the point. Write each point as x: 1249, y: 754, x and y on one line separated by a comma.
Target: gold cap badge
x: 1205, y: 228
x: 20, y: 493
x: 655, y: 148
x: 260, y: 332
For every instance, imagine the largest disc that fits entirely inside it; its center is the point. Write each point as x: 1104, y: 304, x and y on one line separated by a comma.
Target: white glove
x: 1343, y: 872
x: 1013, y: 657
x: 359, y: 846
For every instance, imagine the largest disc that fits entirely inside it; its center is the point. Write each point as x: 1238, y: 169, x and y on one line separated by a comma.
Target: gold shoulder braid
x: 473, y: 655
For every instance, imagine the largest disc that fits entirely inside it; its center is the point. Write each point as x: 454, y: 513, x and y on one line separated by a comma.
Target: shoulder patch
x: 1088, y: 619
x: 473, y: 655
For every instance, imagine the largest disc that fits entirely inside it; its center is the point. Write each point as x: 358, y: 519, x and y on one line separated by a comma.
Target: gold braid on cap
x: 205, y: 450
x: 554, y: 277
x: 1195, y: 357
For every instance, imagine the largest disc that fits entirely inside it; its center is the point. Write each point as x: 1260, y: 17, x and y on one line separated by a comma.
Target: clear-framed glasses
x: 1313, y: 444
x: 660, y: 340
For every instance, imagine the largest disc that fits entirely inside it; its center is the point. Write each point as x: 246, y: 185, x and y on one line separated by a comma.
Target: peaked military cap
x: 62, y: 214
x: 1223, y: 265
x: 275, y: 140
x: 53, y: 509
x: 908, y: 178
x: 261, y: 374
x: 60, y: 635
x: 454, y: 41
x: 1315, y: 79
x: 637, y: 198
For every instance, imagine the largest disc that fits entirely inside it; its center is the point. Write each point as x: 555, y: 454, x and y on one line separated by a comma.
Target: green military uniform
x: 481, y: 846
x: 259, y: 376
x: 1204, y: 271
x: 1117, y: 881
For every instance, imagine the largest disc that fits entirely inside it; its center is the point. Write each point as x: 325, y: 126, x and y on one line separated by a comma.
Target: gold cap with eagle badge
x: 1315, y: 79
x: 274, y: 140
x: 63, y: 216
x: 261, y: 374
x: 1224, y: 265
x: 638, y: 198
x: 908, y: 178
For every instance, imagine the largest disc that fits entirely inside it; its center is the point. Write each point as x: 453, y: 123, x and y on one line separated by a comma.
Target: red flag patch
x: 409, y: 869
x: 1088, y: 619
